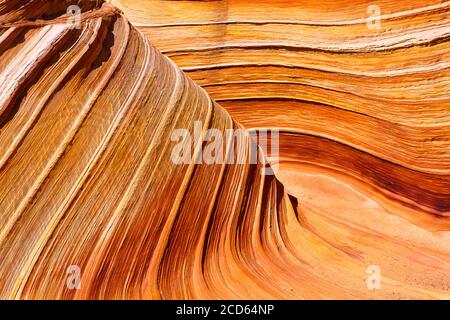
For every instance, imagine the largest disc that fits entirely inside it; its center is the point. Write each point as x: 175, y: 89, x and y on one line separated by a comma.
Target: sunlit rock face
x: 92, y: 205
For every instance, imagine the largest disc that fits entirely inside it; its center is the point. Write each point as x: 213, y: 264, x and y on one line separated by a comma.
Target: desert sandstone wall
x: 87, y: 179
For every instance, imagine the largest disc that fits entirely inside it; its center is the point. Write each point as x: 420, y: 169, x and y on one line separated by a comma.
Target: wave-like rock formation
x: 87, y: 178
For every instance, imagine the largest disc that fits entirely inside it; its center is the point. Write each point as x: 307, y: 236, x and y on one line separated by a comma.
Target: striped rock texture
x: 87, y: 179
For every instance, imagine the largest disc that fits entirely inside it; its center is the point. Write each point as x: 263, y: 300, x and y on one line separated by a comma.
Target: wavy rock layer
x: 86, y: 177
x: 364, y: 119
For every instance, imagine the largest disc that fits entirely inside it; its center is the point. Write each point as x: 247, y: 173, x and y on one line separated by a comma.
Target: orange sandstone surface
x: 87, y: 178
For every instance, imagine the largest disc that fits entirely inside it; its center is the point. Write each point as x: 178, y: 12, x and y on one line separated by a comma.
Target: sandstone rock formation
x: 87, y: 109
